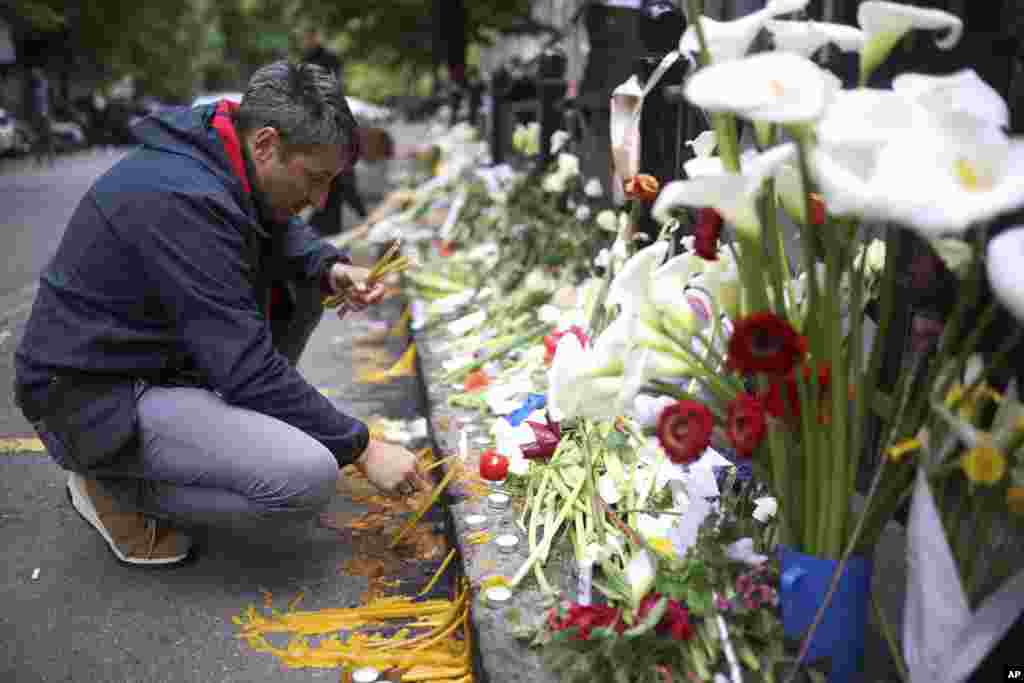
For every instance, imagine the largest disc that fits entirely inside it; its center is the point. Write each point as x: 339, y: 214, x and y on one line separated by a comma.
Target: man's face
x: 291, y: 182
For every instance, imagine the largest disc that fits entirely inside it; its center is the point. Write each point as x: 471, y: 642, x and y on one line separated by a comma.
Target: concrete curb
x: 499, y: 655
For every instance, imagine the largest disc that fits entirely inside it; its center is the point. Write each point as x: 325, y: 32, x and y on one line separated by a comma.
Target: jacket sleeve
x: 305, y: 254
x: 194, y: 254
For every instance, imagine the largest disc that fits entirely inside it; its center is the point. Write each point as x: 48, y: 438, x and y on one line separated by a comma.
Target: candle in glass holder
x: 507, y: 543
x: 498, y: 501
x: 493, y: 466
x: 476, y: 522
x: 365, y: 675
x: 498, y: 596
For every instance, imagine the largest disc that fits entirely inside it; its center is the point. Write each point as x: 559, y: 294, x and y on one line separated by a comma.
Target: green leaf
x: 649, y: 621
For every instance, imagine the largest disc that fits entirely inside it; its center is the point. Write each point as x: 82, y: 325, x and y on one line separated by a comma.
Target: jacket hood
x: 189, y: 131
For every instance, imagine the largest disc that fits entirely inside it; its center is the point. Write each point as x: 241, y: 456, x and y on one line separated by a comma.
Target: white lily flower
x: 558, y: 140
x: 684, y: 533
x: 743, y: 551
x: 582, y: 213
x: 700, y: 480
x: 647, y: 409
x: 630, y: 287
x: 807, y: 37
x: 703, y: 163
x: 640, y: 572
x: 961, y: 94
x: 1005, y: 254
x: 593, y: 188
x: 607, y: 220
x: 731, y: 39
x: 732, y: 195
x: 777, y: 87
x: 866, y: 118
x: 626, y: 101
x: 875, y: 255
x: 765, y: 508
x: 584, y: 383
x: 885, y: 24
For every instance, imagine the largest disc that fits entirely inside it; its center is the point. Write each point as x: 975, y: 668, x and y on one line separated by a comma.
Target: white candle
x: 498, y: 501
x: 498, y: 596
x: 507, y: 543
x: 365, y: 675
x: 476, y: 522
x: 584, y: 582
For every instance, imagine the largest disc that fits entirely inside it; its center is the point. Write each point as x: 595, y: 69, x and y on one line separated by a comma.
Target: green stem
x: 886, y: 628
x: 839, y: 505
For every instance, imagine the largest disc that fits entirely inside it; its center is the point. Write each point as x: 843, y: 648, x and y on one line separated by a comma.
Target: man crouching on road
x: 150, y: 367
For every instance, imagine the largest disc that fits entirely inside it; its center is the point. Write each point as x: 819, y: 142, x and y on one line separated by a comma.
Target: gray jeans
x: 203, y: 461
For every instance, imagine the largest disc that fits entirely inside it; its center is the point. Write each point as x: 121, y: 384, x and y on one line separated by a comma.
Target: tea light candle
x: 476, y: 522
x: 507, y: 543
x: 498, y: 501
x: 498, y: 596
x: 365, y: 675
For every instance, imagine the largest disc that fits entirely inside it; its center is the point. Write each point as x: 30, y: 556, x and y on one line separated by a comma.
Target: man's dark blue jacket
x: 166, y: 259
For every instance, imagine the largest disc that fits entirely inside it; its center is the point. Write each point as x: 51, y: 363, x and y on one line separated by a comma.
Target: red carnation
x: 706, y: 232
x: 763, y: 342
x: 675, y: 622
x: 547, y: 437
x: 585, y: 618
x: 782, y: 398
x: 643, y: 187
x: 551, y: 341
x: 684, y: 430
x: 745, y: 424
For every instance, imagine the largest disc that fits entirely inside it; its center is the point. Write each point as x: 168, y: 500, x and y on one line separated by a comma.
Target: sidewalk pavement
x: 73, y: 613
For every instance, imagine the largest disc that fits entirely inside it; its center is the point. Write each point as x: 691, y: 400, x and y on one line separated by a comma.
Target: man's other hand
x: 392, y: 469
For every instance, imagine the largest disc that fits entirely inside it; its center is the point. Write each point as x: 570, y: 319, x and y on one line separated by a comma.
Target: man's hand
x: 352, y: 282
x: 392, y: 469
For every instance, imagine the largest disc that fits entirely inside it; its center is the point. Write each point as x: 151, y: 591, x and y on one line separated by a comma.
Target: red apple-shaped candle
x: 493, y: 466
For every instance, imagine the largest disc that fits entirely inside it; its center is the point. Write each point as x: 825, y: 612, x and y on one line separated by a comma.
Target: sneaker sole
x: 84, y: 507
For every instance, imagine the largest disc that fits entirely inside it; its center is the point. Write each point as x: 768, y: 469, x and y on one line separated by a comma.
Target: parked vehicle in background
x: 7, y: 132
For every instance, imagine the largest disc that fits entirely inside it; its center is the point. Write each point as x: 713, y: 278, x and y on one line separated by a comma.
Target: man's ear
x: 266, y: 143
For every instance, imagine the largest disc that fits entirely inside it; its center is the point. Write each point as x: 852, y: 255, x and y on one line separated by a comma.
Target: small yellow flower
x: 897, y: 451
x: 1015, y: 499
x: 663, y: 546
x: 970, y: 404
x: 984, y: 464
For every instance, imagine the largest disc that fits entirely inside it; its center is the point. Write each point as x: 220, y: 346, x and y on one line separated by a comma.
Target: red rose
x: 745, y: 423
x: 551, y: 341
x: 706, y: 232
x: 547, y: 437
x: 684, y: 430
x: 764, y: 343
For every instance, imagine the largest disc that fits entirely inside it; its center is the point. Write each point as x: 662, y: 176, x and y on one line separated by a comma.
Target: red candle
x: 493, y: 466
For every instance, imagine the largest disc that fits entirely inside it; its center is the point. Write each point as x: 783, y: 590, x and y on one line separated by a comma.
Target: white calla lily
x: 776, y: 87
x: 866, y: 118
x: 640, y: 573
x: 647, y: 409
x: 626, y: 101
x: 956, y: 254
x: 607, y: 220
x: 654, y: 526
x: 943, y: 181
x: 960, y: 94
x: 585, y: 383
x: 593, y: 188
x: 885, y: 24
x: 731, y: 39
x: 1005, y: 253
x: 732, y: 195
x: 807, y: 37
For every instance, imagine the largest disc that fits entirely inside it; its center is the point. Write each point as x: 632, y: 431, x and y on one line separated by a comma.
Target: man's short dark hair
x: 303, y: 102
